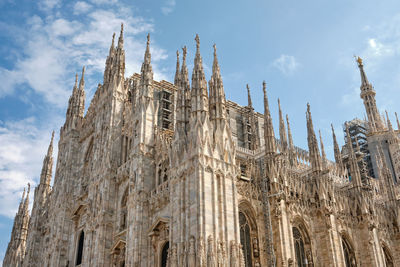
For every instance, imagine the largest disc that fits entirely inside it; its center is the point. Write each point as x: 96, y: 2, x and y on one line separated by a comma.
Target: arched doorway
x: 245, y: 239
x: 348, y: 253
x: 164, y: 255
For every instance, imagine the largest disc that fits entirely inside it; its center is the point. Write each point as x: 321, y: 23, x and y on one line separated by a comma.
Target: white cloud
x: 286, y: 64
x: 55, y: 46
x: 81, y: 7
x: 47, y: 5
x: 168, y: 7
x: 24, y: 145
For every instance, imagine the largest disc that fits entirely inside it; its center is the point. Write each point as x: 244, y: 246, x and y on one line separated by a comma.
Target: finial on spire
x: 177, y: 73
x: 82, y: 81
x: 121, y: 37
x: 389, y: 123
x: 249, y: 102
x: 184, y: 50
x: 50, y: 149
x: 215, y: 50
x: 148, y: 39
x: 264, y: 88
x: 76, y: 80
x: 322, y: 148
x: 197, y: 39
x: 358, y: 60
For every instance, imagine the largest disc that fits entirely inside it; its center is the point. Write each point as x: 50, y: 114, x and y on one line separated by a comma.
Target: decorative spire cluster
x: 76, y: 103
x: 315, y: 157
x: 115, y: 64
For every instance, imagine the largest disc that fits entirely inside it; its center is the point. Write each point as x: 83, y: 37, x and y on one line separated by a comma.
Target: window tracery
x: 348, y: 253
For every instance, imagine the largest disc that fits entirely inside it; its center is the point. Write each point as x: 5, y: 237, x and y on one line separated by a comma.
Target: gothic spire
x: 47, y: 167
x: 146, y: 77
x: 397, y: 120
x: 389, y: 123
x: 368, y: 95
x: 177, y: 72
x: 21, y: 203
x: 364, y: 80
x: 292, y: 156
x: 82, y: 80
x: 324, y: 160
x: 112, y: 47
x: 75, y: 88
x: 354, y: 169
x: 180, y: 102
x: 26, y: 202
x: 269, y: 135
x: 185, y: 86
x: 217, y: 94
x: 121, y: 38
x: 80, y: 96
x: 315, y: 157
x: 336, y: 150
x: 249, y: 102
x: 199, y: 85
x: 282, y: 130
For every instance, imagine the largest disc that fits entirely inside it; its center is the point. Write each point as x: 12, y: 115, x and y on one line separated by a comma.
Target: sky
x: 302, y: 49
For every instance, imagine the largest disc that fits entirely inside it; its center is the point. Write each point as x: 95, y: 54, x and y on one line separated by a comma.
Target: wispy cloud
x: 286, y: 64
x: 168, y: 7
x: 56, y: 43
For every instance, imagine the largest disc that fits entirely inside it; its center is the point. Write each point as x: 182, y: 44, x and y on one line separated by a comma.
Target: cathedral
x: 172, y: 174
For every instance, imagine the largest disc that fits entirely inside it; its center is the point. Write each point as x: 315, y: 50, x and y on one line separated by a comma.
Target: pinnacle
x: 121, y: 37
x: 82, y: 81
x: 249, y: 102
x: 177, y: 78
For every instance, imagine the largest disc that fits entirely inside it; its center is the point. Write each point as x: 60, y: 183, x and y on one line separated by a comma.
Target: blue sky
x: 303, y: 49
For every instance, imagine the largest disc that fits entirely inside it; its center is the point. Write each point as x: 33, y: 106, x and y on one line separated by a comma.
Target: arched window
x: 245, y: 238
x: 164, y: 255
x: 124, y: 210
x: 299, y: 248
x: 388, y: 257
x: 348, y: 252
x: 79, y: 253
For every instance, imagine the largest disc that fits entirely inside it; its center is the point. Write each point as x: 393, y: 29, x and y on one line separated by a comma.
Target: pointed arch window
x: 164, y: 255
x: 299, y: 248
x: 245, y: 238
x: 124, y: 210
x: 79, y: 253
x: 348, y: 253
